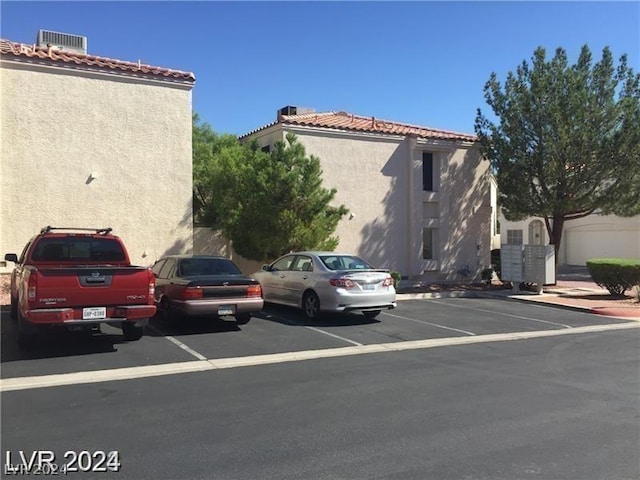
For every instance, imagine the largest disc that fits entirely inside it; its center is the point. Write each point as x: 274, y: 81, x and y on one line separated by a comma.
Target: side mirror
x: 265, y: 267
x: 11, y: 257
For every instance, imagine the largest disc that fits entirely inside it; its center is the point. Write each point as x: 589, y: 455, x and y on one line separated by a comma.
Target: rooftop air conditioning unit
x: 293, y: 110
x: 62, y: 41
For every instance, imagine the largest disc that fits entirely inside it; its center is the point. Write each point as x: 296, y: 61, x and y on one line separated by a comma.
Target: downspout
x: 410, y: 206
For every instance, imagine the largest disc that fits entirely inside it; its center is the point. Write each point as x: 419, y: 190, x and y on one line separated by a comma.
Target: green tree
x: 217, y: 159
x: 567, y: 139
x: 266, y: 203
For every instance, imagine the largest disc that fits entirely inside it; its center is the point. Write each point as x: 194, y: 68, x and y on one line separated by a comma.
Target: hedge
x: 615, y: 274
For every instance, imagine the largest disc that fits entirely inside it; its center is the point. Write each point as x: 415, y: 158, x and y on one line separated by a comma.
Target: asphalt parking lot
x: 279, y: 330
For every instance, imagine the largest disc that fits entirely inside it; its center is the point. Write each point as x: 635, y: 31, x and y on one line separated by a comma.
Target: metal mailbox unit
x: 511, y: 265
x: 528, y: 263
x: 540, y: 265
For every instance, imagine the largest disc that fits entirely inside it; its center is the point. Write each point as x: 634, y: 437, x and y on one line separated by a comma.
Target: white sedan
x: 327, y: 281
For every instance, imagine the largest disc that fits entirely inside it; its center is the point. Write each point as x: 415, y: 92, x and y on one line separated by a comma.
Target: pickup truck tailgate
x: 93, y: 285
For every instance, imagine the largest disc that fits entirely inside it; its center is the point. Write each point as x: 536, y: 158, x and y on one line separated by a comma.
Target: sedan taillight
x: 254, y: 291
x: 191, y: 293
x: 388, y: 281
x: 342, y: 283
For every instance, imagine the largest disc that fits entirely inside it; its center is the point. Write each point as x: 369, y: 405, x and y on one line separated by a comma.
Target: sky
x: 423, y: 63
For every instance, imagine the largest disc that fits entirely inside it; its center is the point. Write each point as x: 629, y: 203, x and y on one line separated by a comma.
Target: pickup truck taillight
x: 152, y: 283
x: 254, y: 291
x: 191, y: 293
x: 32, y: 288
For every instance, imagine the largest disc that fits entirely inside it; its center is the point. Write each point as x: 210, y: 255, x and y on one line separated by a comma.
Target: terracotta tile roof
x: 14, y: 49
x: 357, y: 123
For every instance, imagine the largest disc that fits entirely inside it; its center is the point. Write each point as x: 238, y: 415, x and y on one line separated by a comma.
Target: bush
x: 495, y: 262
x: 487, y: 275
x: 615, y: 274
x: 396, y: 279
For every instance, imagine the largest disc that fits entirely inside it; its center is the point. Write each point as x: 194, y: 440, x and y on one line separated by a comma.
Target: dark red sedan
x: 189, y: 285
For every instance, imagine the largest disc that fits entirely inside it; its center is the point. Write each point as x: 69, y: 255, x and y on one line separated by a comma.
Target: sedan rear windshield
x: 190, y: 267
x: 78, y: 249
x: 345, y: 262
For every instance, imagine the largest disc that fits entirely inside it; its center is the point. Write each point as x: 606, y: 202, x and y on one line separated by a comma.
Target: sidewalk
x: 584, y: 296
x: 573, y: 292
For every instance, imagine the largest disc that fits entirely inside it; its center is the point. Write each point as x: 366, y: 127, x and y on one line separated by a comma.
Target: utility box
x: 540, y: 265
x: 511, y: 263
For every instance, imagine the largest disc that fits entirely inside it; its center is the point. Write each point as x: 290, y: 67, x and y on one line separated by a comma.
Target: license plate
x: 226, y: 310
x: 368, y: 287
x: 92, y: 313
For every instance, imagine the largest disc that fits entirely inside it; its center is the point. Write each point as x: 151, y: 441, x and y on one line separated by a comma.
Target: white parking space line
x: 352, y: 342
x: 177, y: 342
x: 129, y: 373
x: 324, y: 332
x: 428, y: 323
x: 501, y: 313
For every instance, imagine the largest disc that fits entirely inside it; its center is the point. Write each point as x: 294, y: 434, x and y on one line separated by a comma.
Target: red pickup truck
x: 79, y: 278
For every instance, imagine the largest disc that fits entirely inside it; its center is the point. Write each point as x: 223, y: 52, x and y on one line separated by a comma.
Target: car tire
x: 14, y: 309
x: 131, y: 332
x: 371, y: 314
x: 27, y: 333
x: 311, y: 305
x: 166, y: 313
x: 242, y: 318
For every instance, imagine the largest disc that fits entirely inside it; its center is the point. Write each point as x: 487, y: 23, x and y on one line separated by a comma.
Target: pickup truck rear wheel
x: 14, y: 308
x: 27, y: 333
x: 131, y: 332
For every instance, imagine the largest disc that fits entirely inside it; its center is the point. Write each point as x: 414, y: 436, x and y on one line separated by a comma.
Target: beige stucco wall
x: 379, y: 179
x: 59, y: 126
x: 464, y: 197
x: 595, y: 236
x: 370, y: 176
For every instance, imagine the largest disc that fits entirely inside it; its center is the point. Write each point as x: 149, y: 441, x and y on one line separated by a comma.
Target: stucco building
x: 89, y: 141
x: 419, y: 198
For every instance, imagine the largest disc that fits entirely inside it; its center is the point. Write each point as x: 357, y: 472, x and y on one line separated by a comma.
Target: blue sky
x: 416, y: 62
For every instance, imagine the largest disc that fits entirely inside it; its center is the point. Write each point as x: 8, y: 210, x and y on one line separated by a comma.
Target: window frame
x: 512, y: 233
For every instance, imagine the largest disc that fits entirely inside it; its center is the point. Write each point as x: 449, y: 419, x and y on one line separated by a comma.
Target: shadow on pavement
x: 191, y: 326
x: 294, y: 317
x: 54, y: 343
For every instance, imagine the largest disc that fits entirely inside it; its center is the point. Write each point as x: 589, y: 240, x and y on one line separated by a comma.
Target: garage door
x: 582, y: 245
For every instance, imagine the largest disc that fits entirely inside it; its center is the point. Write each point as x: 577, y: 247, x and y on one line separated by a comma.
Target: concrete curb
x: 427, y: 296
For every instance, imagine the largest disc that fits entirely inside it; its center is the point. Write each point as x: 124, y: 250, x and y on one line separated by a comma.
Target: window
x: 514, y: 237
x: 166, y: 269
x: 302, y: 264
x: 192, y: 267
x: 345, y: 262
x: 78, y: 248
x: 266, y: 148
x: 427, y: 171
x: 428, y: 249
x: 158, y: 266
x: 283, y: 264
